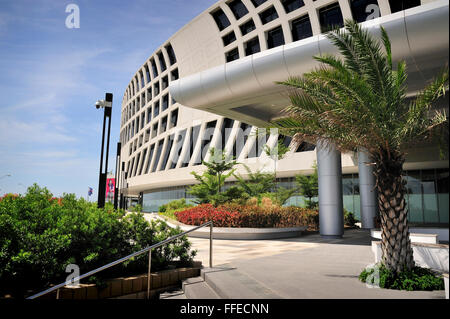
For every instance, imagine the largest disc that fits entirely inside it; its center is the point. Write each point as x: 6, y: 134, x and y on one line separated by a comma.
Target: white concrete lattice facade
x: 199, y: 47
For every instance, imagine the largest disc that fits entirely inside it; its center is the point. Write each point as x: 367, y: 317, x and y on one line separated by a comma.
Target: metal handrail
x: 140, y: 252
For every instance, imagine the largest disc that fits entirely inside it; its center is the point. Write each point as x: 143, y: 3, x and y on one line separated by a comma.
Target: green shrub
x: 416, y: 279
x: 40, y: 236
x: 174, y: 205
x: 349, y: 218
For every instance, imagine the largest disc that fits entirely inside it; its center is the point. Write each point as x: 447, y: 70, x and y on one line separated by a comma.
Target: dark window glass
x: 257, y: 3
x: 137, y: 164
x: 291, y: 5
x: 399, y: 5
x: 301, y: 28
x: 165, y: 103
x: 275, y: 37
x: 147, y: 73
x: 226, y: 131
x: 268, y: 15
x: 252, y: 46
x: 150, y: 157
x: 130, y: 172
x: 241, y: 139
x: 156, y: 109
x: 229, y: 38
x: 142, y: 80
x: 149, y: 94
x: 174, y: 118
x: 330, y: 17
x: 209, y: 133
x: 167, y: 152
x: 305, y: 147
x: 142, y: 119
x: 165, y: 82
x: 195, y: 132
x: 158, y: 155
x: 178, y: 148
x: 156, y: 88
x: 175, y: 75
x: 258, y: 145
x: 362, y: 9
x: 221, y: 19
x: 143, y: 162
x: 155, y: 130
x: 154, y: 68
x: 238, y: 8
x: 164, y: 124
x: 232, y: 55
x: 247, y: 27
x: 162, y: 62
x: 171, y: 54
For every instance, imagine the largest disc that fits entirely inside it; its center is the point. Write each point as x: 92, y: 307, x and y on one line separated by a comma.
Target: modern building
x: 213, y: 83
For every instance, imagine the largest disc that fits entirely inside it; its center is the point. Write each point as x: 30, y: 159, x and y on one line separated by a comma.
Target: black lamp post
x: 107, y: 106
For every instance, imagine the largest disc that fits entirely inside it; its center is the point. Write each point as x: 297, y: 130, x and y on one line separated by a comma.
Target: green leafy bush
x: 349, y: 218
x: 40, y: 236
x: 416, y: 279
x: 174, y: 205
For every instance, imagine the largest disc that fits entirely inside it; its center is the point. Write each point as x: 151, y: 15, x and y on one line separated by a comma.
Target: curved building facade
x: 212, y: 85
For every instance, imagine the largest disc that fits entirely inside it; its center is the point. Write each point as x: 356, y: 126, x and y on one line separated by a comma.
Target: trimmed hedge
x: 239, y: 216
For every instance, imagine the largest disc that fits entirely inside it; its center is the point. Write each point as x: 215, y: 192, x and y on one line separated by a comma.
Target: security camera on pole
x: 106, y: 104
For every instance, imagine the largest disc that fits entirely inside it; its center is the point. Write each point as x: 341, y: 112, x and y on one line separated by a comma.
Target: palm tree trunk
x: 397, y: 253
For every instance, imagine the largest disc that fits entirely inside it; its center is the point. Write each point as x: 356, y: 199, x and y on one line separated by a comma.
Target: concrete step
x: 176, y: 294
x: 229, y: 283
x: 197, y: 288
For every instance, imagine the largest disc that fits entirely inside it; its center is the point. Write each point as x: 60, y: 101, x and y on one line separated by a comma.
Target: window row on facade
x: 167, y: 152
x: 329, y: 16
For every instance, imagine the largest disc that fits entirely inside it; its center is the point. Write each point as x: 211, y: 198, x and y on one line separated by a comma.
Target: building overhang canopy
x: 246, y: 89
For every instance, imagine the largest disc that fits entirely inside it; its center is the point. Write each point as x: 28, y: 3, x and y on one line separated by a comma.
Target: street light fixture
x: 106, y: 104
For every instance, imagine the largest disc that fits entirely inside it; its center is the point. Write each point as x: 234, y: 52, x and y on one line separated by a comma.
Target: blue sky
x: 51, y: 76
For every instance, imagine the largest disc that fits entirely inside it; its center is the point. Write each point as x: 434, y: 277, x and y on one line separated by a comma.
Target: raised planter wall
x: 137, y: 285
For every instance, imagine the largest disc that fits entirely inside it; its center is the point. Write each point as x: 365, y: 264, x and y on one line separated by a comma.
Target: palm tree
x: 359, y: 102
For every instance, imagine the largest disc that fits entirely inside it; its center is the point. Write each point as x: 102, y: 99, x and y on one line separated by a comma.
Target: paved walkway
x: 303, y: 267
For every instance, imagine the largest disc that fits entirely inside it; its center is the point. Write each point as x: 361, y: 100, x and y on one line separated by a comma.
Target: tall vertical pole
x: 102, y: 178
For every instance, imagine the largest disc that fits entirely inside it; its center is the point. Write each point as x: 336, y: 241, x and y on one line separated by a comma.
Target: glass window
x: 165, y: 82
x: 221, y: 19
x: 415, y: 203
x: 275, y: 37
x: 238, y: 8
x: 163, y: 124
x: 232, y: 55
x: 147, y: 73
x: 174, y: 118
x: 156, y: 109
x: 195, y: 132
x: 430, y: 199
x: 257, y: 3
x: 206, y: 140
x: 154, y: 68
x: 142, y: 79
x: 149, y: 94
x: 171, y: 54
x: 165, y: 102
x: 137, y: 164
x: 175, y: 75
x: 400, y: 5
x: 167, y: 152
x: 268, y: 15
x: 156, y: 88
x: 144, y: 154
x: 158, y: 155
x: 363, y: 10
x: 150, y: 157
x: 162, y: 62
x: 305, y: 147
x: 229, y: 38
x: 155, y: 130
x: 252, y: 46
x: 241, y: 138
x: 227, y: 126
x: 442, y: 182
x: 179, y: 148
x: 301, y: 28
x: 247, y: 27
x: 291, y: 5
x: 330, y: 17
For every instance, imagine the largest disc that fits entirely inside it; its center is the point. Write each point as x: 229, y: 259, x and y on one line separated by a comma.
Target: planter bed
x: 239, y: 233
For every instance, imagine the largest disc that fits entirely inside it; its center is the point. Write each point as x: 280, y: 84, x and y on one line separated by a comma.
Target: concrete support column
x: 367, y: 190
x: 331, y: 215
